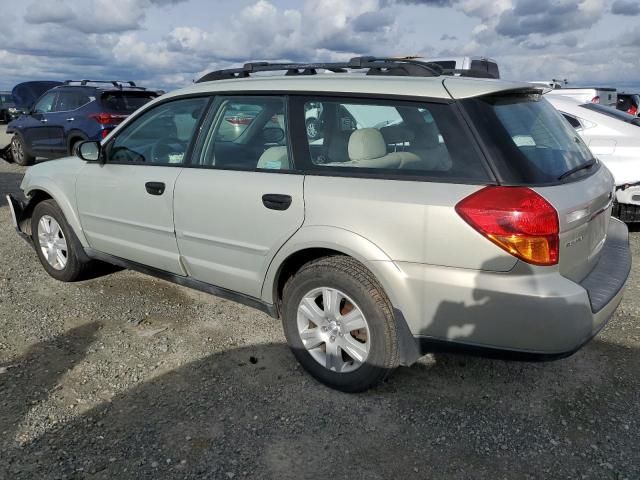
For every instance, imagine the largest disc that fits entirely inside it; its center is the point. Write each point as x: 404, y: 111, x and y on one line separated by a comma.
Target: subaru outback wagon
x: 456, y: 213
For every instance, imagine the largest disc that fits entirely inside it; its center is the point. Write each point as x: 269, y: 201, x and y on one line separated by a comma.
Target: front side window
x: 160, y: 136
x: 248, y: 133
x: 45, y: 104
x: 390, y: 139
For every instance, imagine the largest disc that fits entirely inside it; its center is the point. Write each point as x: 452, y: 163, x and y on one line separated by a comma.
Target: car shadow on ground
x: 252, y: 411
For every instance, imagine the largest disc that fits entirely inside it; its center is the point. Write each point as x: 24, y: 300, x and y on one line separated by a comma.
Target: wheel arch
x: 74, y: 136
x: 38, y: 192
x: 310, y: 243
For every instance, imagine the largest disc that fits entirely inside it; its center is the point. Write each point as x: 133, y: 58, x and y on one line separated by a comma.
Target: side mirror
x: 273, y: 134
x: 89, y: 151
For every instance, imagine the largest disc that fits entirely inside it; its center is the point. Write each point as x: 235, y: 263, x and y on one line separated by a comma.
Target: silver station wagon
x: 427, y: 212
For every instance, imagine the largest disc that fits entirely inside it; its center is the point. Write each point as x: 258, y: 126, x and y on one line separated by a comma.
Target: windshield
x: 6, y: 98
x: 126, y: 102
x: 610, y: 112
x: 527, y: 139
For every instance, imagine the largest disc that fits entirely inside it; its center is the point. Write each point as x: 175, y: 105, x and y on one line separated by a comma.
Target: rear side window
x: 390, y: 139
x: 71, y: 100
x: 125, y: 102
x: 248, y: 133
x: 527, y: 138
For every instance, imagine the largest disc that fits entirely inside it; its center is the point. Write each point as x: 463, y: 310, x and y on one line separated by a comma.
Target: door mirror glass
x: 273, y: 135
x: 88, y: 151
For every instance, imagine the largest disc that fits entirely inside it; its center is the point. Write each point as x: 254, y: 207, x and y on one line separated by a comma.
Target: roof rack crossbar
x: 378, y: 65
x: 115, y: 83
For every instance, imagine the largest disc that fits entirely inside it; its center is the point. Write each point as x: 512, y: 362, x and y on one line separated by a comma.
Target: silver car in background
x: 470, y: 216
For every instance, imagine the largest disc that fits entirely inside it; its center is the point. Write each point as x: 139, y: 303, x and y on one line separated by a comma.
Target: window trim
x: 194, y: 137
x: 301, y: 143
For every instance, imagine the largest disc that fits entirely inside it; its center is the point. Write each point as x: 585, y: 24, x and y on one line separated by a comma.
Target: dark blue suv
x: 70, y: 113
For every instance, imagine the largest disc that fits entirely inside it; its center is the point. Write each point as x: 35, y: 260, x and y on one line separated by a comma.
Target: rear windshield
x: 126, y: 102
x: 610, y: 112
x: 528, y: 140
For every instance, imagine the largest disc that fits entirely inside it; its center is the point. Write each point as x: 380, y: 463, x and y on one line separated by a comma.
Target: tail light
x: 107, y: 118
x: 516, y: 219
x: 596, y: 99
x: 633, y: 110
x: 239, y: 120
x: 105, y: 132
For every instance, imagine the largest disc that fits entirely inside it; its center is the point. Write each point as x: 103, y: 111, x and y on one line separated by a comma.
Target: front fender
x: 64, y: 196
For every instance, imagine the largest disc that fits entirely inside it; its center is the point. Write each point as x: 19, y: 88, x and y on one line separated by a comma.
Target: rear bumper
x: 17, y: 209
x: 530, y: 311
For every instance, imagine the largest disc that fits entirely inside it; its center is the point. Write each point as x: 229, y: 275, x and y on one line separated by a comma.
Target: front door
x: 35, y: 127
x: 243, y: 200
x: 126, y: 204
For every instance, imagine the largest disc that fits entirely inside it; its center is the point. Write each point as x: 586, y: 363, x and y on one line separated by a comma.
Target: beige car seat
x: 274, y: 158
x: 368, y: 149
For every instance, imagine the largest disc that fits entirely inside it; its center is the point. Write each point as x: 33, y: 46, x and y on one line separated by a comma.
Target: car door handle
x: 70, y: 119
x: 155, y: 188
x: 44, y: 120
x: 275, y: 201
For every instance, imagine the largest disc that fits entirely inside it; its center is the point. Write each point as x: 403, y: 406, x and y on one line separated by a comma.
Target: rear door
x: 242, y: 199
x: 126, y: 204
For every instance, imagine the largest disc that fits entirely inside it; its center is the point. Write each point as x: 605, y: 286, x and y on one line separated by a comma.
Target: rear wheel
x: 56, y: 244
x: 19, y: 152
x: 73, y: 144
x: 313, y: 128
x: 339, y: 324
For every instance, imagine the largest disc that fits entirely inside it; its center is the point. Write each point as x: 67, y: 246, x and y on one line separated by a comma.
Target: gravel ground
x: 125, y: 376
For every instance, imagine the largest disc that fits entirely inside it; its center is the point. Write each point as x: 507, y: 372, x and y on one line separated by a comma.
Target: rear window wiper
x: 584, y: 166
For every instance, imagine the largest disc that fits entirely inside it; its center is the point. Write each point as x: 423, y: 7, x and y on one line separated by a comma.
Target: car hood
x: 26, y: 93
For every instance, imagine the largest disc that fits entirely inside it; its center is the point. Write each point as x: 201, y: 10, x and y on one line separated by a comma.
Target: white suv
x: 455, y: 213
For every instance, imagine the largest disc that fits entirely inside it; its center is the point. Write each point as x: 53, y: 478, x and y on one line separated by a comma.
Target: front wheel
x: 19, y: 152
x: 339, y: 324
x: 56, y: 244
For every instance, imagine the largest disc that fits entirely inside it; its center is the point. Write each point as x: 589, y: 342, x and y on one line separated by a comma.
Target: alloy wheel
x: 52, y: 242
x: 333, y: 330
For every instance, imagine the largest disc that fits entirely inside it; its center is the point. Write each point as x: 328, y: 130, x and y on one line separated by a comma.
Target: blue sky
x: 168, y: 43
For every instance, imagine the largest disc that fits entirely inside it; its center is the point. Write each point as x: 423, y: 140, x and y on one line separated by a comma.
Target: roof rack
x: 373, y: 65
x: 116, y: 83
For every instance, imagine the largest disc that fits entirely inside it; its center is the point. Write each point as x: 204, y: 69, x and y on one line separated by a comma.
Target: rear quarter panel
x: 411, y: 221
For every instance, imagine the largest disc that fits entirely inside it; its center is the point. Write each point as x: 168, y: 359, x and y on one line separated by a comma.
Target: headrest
x: 366, y: 144
x: 275, y: 158
x: 393, y: 134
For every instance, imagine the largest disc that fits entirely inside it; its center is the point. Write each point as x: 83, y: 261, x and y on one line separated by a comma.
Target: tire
x: 19, y: 152
x: 76, y: 265
x: 73, y: 144
x: 313, y: 129
x: 360, y: 292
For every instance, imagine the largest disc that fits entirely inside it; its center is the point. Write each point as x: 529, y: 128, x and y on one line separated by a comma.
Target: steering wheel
x: 124, y: 154
x: 166, y: 148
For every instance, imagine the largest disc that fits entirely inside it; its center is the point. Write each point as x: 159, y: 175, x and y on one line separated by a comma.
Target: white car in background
x: 614, y: 137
